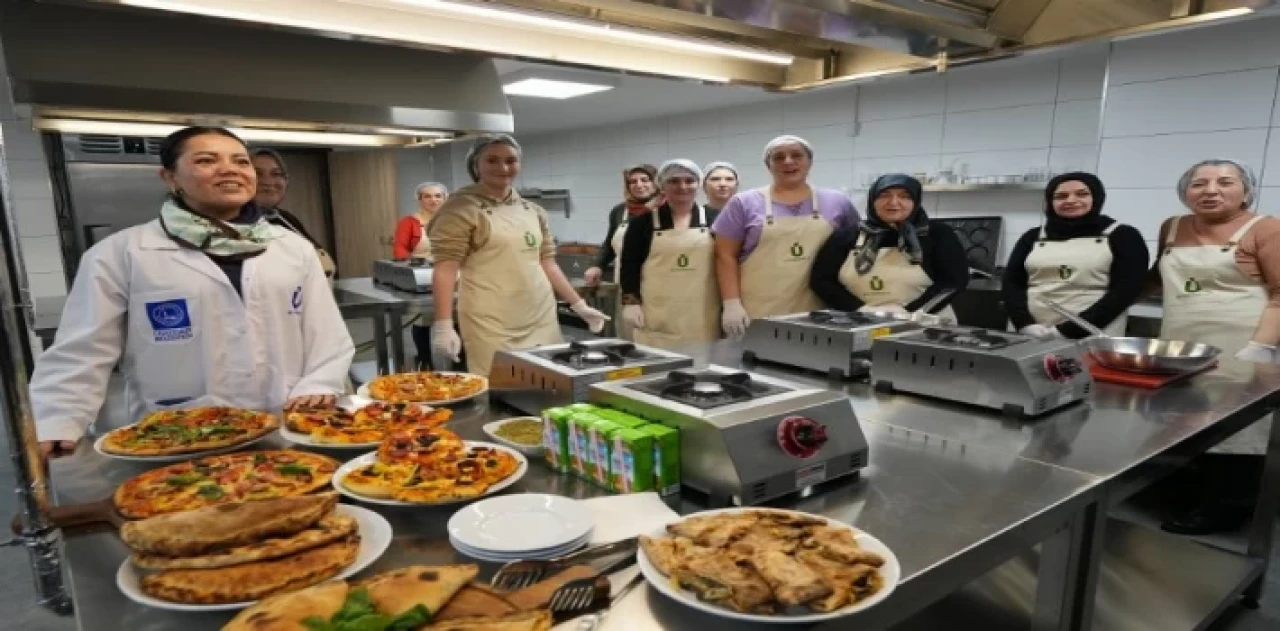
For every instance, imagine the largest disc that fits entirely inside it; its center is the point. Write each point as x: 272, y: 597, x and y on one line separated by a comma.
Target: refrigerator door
x: 107, y: 198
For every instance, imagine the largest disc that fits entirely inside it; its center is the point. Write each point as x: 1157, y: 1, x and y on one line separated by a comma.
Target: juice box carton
x: 600, y: 437
x: 621, y: 418
x: 579, y: 443
x: 631, y: 461
x: 555, y: 437
x: 666, y: 458
x: 584, y: 407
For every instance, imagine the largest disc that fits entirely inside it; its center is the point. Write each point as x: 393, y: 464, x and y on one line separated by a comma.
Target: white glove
x: 444, y: 340
x: 1039, y: 331
x: 1259, y: 353
x: 595, y: 319
x: 633, y: 315
x: 734, y: 319
x: 592, y: 276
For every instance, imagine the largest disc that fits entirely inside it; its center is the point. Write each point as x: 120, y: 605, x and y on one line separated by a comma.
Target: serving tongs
x: 520, y: 574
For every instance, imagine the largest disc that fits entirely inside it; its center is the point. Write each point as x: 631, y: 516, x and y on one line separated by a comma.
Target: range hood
x: 74, y: 63
x: 778, y: 44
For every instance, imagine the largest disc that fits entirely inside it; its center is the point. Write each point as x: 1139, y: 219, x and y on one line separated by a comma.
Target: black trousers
x: 422, y: 346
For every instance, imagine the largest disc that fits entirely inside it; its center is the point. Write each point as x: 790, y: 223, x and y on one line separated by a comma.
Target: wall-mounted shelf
x: 968, y: 188
x: 544, y: 193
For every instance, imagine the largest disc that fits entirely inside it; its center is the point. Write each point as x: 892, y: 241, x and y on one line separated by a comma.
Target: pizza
x: 238, y: 477
x: 425, y: 387
x: 168, y: 432
x: 430, y: 466
x: 429, y: 446
x: 369, y: 424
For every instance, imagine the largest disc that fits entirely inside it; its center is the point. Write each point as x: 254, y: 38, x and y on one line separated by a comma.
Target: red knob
x: 1061, y: 369
x: 801, y: 437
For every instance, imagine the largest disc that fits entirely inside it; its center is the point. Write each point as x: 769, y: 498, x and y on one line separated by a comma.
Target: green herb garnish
x: 211, y: 492
x: 293, y: 469
x: 217, y: 429
x: 184, y: 479
x: 359, y: 614
x: 259, y: 459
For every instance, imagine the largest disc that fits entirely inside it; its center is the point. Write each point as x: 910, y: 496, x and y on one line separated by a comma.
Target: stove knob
x: 801, y: 437
x: 1061, y: 369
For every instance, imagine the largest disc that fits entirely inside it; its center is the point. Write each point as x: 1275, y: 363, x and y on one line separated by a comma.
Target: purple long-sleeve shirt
x: 743, y: 217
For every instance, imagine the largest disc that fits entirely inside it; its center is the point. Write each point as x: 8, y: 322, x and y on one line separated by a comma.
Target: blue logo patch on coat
x: 295, y: 301
x: 170, y: 320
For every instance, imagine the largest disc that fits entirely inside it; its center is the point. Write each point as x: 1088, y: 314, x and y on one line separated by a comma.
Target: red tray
x: 1137, y: 380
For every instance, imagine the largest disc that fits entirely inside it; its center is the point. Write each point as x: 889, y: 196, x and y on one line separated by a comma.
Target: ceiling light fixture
x: 552, y: 88
x: 248, y: 134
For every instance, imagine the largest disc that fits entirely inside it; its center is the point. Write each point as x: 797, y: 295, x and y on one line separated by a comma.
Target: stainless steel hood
x: 73, y: 61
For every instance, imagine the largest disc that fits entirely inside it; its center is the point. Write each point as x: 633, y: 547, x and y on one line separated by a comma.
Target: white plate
x: 891, y: 572
x: 539, y: 553
x: 355, y: 463
x: 500, y: 558
x: 348, y: 402
x: 97, y: 446
x: 363, y: 390
x: 491, y: 430
x: 375, y: 537
x: 520, y: 523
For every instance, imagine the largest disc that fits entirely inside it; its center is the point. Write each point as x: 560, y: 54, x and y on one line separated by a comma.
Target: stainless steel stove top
x: 1016, y: 374
x: 548, y: 376
x: 414, y: 275
x: 834, y: 342
x: 746, y: 438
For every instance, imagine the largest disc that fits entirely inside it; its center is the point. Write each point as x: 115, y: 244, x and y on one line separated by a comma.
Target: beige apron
x: 892, y: 280
x: 681, y: 297
x: 1074, y: 273
x: 620, y: 326
x: 1208, y: 299
x: 422, y: 249
x: 505, y: 300
x: 774, y: 280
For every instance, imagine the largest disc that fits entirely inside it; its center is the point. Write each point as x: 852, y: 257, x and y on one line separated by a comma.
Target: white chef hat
x: 483, y: 142
x: 676, y: 166
x: 1247, y: 178
x: 719, y: 164
x: 785, y: 139
x: 417, y: 191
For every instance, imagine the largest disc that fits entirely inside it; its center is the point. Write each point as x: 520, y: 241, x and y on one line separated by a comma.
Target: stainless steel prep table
x: 386, y: 308
x: 1129, y: 438
x: 951, y: 512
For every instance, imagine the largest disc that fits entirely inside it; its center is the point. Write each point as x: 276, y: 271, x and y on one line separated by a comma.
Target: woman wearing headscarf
x: 641, y: 196
x: 1080, y: 258
x: 896, y: 260
x: 668, y: 279
x: 411, y: 242
x: 502, y: 245
x: 720, y: 184
x: 273, y: 185
x: 766, y: 238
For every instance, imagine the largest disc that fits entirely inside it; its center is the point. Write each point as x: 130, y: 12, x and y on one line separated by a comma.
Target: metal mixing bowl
x: 1149, y: 355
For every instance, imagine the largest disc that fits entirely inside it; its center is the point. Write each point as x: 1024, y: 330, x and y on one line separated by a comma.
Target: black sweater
x: 943, y: 260
x: 638, y: 239
x: 1129, y: 262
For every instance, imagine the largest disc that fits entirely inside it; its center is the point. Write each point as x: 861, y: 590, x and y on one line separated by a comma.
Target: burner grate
x: 707, y: 390
x: 586, y: 356
x: 843, y: 318
x: 968, y: 338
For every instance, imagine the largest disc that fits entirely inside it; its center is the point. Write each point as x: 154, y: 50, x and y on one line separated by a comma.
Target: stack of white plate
x: 514, y: 527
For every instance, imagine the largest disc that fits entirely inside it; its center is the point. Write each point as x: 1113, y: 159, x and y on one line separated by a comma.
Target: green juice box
x: 555, y: 438
x: 583, y: 407
x: 666, y: 458
x: 631, y: 461
x: 621, y: 418
x: 600, y: 437
x: 579, y: 443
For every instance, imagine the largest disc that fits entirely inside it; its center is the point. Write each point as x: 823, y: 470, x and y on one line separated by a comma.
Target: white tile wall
x: 1213, y: 49
x: 31, y: 196
x: 1213, y: 102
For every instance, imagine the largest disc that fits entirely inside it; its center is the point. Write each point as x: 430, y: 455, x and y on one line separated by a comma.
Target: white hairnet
x: 676, y: 166
x: 785, y: 140
x: 1247, y: 178
x: 425, y: 185
x: 482, y: 143
x: 706, y: 171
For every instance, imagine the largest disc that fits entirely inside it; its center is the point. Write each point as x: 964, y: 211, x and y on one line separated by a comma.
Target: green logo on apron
x: 682, y: 260
x: 877, y: 283
x: 530, y: 240
x: 797, y: 250
x: 1191, y: 286
x: 1065, y: 271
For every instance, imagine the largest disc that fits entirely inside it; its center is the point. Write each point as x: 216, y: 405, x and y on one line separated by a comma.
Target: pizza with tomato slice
x: 431, y: 466
x: 367, y: 425
x: 426, y: 387
x: 169, y: 432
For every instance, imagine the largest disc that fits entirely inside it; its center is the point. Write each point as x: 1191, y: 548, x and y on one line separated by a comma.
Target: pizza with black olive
x: 369, y: 424
x: 430, y: 466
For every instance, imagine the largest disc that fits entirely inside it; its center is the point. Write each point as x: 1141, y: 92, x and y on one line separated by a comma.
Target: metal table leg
x: 1264, y: 513
x: 380, y: 343
x: 1057, y: 582
x: 397, y: 339
x: 1089, y: 569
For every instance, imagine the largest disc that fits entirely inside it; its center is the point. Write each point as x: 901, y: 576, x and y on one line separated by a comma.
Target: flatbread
x: 327, y: 530
x: 476, y: 599
x: 222, y: 526
x: 286, y: 612
x: 253, y: 581
x: 539, y: 620
x: 400, y: 590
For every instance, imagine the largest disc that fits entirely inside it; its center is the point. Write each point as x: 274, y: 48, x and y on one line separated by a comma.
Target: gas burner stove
x: 834, y: 342
x: 1019, y: 375
x: 548, y: 376
x: 746, y: 438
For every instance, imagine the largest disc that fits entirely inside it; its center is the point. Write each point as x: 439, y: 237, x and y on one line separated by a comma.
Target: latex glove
x: 734, y: 318
x: 445, y: 341
x: 595, y: 319
x: 1259, y: 353
x: 890, y: 308
x: 1039, y: 331
x: 592, y: 276
x: 633, y: 315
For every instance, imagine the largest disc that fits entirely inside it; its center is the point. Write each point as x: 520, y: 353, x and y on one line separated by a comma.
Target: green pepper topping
x: 293, y: 469
x: 211, y: 492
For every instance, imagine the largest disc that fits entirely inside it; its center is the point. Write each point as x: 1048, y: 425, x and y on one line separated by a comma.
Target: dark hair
x: 174, y: 144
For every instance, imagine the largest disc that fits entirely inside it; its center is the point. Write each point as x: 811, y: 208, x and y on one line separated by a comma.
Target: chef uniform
x: 892, y: 280
x: 505, y: 300
x: 1074, y: 273
x: 774, y: 277
x: 681, y: 297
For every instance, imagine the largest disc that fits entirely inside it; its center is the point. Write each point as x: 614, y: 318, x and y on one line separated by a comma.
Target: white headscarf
x: 785, y: 140
x: 676, y: 166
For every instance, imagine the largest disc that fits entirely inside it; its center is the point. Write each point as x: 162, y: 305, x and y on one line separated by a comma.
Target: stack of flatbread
x: 418, y: 596
x: 231, y: 553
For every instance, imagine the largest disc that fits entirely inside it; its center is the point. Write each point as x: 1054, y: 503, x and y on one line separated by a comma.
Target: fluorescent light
x: 248, y: 134
x: 552, y: 88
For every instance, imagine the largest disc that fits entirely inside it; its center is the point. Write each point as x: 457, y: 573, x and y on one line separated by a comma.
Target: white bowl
x: 491, y: 429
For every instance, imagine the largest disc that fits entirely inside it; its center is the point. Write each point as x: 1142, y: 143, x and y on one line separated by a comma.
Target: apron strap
x: 768, y: 203
x: 702, y: 217
x: 1111, y: 228
x: 815, y: 213
x: 1172, y: 234
x: 1235, y: 238
x: 1043, y: 235
x: 657, y: 225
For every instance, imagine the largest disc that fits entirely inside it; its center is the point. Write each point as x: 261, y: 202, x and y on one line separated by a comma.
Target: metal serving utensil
x: 520, y: 574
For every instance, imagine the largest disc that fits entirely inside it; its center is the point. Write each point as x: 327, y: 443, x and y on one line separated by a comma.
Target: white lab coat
x: 183, y: 335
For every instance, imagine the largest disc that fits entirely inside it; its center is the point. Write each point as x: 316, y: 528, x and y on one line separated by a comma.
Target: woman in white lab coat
x: 207, y: 304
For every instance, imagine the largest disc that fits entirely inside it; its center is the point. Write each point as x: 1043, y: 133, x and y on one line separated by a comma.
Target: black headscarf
x: 879, y: 233
x: 1090, y: 224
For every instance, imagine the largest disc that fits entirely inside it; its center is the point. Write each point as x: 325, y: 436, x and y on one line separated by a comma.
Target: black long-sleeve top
x: 942, y: 259
x: 607, y: 255
x: 290, y: 222
x: 1129, y: 262
x: 637, y: 241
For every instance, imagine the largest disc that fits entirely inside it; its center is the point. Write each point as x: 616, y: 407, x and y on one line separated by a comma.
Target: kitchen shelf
x: 967, y: 188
